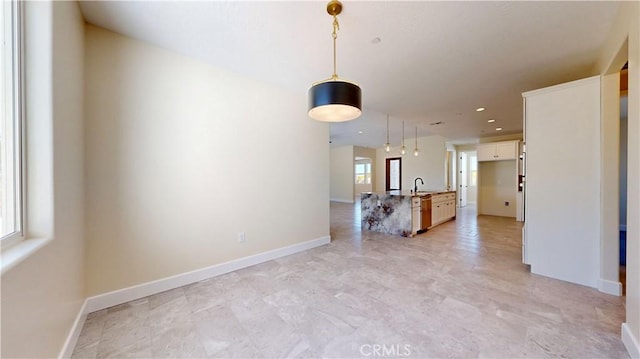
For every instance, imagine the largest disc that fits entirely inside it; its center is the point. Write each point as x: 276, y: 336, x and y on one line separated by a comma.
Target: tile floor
x: 457, y: 291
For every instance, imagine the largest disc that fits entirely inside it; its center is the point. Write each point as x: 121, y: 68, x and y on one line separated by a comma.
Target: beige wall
x: 627, y: 31
x: 497, y: 183
x: 451, y: 179
x: 342, y: 174
x: 609, y: 185
x: 42, y: 296
x: 468, y: 147
x: 429, y: 165
x: 177, y: 164
x: 562, y: 213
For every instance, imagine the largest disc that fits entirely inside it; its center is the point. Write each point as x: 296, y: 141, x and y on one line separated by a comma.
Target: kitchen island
x: 406, y: 213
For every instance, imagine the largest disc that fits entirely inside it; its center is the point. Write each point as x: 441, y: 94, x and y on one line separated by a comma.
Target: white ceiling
x: 436, y: 61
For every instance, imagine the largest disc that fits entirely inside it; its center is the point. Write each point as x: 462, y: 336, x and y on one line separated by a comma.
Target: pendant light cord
x: 334, y: 34
x: 387, y: 128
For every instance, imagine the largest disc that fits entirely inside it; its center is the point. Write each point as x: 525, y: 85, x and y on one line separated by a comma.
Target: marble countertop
x: 411, y: 194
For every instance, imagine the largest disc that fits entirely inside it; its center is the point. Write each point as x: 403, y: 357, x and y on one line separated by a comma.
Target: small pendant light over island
x: 415, y: 151
x: 403, y: 149
x: 387, y: 145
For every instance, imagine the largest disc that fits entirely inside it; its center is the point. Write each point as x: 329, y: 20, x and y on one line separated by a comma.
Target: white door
x: 463, y: 186
x: 472, y: 178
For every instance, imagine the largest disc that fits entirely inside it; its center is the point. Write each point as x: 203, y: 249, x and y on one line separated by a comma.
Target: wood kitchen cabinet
x: 426, y: 213
x: 497, y: 151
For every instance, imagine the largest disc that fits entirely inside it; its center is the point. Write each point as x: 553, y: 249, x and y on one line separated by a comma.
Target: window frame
x: 14, y: 31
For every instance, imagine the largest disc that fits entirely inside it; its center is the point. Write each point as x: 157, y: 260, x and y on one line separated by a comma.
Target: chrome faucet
x: 415, y: 184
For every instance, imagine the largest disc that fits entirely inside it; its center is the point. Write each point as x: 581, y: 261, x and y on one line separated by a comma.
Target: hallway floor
x: 456, y: 291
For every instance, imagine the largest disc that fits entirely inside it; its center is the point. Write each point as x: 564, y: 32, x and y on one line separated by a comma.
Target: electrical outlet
x: 241, y: 237
x: 506, y: 203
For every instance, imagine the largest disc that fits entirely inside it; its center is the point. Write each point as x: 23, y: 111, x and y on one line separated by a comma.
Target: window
x: 473, y: 170
x: 363, y: 173
x: 11, y: 125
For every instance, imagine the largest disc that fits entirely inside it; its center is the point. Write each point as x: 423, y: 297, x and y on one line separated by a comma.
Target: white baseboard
x: 124, y: 295
x: 74, y: 333
x: 623, y: 227
x: 610, y: 287
x: 341, y: 200
x: 633, y: 348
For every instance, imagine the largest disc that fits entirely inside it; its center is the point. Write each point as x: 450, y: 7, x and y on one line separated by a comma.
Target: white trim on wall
x: 630, y: 342
x: 341, y: 200
x: 74, y: 333
x: 610, y: 287
x: 124, y: 295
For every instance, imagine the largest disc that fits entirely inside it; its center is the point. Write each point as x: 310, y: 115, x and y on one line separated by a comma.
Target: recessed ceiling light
x: 376, y: 40
x: 480, y: 109
x: 360, y: 132
x: 491, y: 121
x: 499, y: 129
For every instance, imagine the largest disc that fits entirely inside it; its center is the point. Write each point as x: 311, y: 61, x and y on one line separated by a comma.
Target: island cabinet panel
x: 406, y: 213
x: 416, y: 215
x: 387, y: 213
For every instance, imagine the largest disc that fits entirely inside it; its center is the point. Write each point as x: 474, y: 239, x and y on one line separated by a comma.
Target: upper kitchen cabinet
x: 497, y: 151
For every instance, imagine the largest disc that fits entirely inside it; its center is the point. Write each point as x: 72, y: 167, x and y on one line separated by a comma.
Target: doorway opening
x: 363, y: 176
x: 393, y: 174
x: 468, y: 180
x: 623, y: 175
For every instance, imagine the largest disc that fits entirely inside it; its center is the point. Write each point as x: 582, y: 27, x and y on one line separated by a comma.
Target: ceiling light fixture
x: 387, y: 145
x: 335, y: 100
x: 499, y: 129
x: 403, y: 149
x: 415, y: 151
x: 491, y: 121
x: 360, y: 132
x: 480, y: 109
